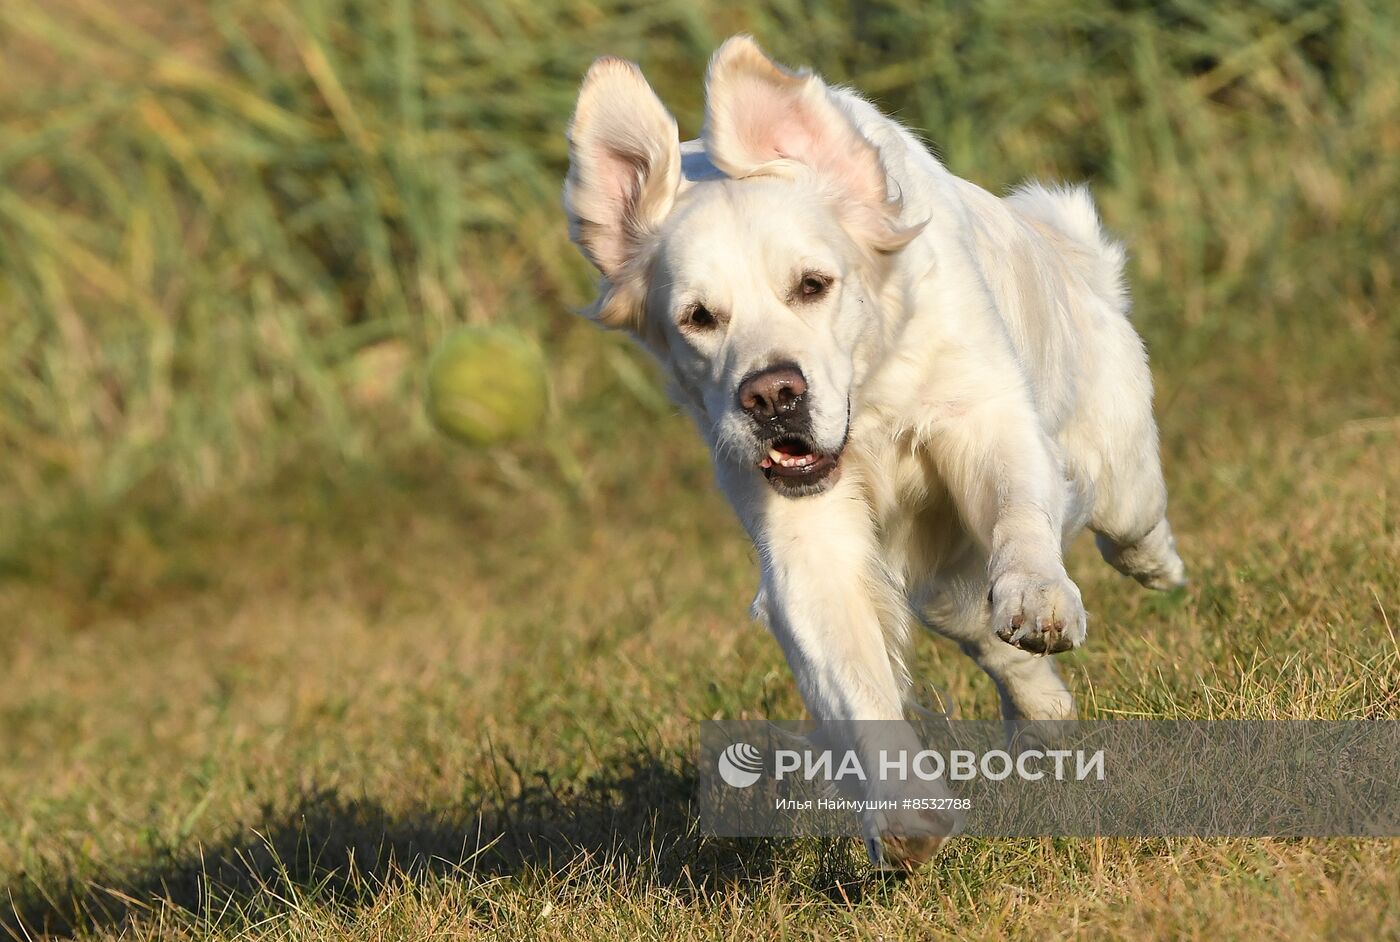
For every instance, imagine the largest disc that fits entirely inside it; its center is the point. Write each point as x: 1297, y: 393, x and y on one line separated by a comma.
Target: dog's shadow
x: 637, y: 825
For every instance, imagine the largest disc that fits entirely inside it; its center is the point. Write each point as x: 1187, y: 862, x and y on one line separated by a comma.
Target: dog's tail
x: 1070, y: 210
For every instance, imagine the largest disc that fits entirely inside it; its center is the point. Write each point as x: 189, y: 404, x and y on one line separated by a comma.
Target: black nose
x: 777, y: 392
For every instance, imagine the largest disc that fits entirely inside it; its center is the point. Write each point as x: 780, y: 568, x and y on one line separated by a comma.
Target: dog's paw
x: 1152, y: 560
x: 904, y: 840
x: 1039, y: 614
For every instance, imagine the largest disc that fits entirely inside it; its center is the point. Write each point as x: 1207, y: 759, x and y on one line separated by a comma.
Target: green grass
x: 276, y: 662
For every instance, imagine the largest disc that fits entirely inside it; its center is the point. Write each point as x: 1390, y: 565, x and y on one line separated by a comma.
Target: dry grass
x: 278, y: 664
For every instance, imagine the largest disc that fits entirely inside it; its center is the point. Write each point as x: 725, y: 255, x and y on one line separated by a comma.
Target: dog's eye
x: 813, y: 285
x: 699, y: 317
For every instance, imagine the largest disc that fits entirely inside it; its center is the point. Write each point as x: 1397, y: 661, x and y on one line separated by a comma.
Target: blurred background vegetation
x: 230, y: 232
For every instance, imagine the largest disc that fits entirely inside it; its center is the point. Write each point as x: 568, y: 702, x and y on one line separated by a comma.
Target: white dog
x: 915, y: 393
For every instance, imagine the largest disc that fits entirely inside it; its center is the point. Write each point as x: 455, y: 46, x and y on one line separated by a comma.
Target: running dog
x: 915, y: 393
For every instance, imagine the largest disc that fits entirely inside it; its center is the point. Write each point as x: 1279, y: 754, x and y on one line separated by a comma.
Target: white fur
x: 974, y: 354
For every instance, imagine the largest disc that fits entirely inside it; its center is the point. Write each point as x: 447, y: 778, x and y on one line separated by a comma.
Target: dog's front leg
x: 825, y: 594
x: 1001, y: 469
x: 829, y: 603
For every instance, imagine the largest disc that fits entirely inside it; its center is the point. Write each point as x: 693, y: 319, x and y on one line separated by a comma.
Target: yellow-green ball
x: 487, y: 385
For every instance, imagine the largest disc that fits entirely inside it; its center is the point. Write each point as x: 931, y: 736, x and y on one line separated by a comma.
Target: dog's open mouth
x: 794, y: 465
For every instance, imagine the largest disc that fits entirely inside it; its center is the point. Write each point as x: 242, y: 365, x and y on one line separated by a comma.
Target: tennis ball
x: 486, y: 385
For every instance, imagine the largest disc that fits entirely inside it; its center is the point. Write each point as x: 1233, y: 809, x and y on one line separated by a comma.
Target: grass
x: 277, y: 663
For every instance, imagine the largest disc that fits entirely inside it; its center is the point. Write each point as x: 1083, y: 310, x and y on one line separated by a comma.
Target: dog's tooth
x: 775, y: 456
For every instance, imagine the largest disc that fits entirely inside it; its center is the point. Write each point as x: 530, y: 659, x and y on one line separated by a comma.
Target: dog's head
x: 755, y: 285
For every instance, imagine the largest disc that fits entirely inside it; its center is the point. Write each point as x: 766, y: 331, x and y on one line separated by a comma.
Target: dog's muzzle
x: 775, y: 400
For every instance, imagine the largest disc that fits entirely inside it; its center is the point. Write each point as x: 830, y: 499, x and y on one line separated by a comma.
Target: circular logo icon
x: 740, y: 765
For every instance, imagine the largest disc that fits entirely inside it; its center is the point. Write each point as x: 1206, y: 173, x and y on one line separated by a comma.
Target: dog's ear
x: 624, y: 171
x: 760, y: 116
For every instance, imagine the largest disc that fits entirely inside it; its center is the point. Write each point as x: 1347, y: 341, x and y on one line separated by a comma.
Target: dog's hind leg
x: 1129, y: 520
x: 1151, y: 559
x: 1112, y: 450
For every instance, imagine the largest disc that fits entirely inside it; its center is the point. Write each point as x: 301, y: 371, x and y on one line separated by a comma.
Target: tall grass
x: 230, y: 231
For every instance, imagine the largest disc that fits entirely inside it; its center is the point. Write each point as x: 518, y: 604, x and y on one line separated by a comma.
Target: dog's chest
x: 917, y: 521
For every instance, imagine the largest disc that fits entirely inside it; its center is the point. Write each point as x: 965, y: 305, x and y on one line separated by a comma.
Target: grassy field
x: 276, y: 662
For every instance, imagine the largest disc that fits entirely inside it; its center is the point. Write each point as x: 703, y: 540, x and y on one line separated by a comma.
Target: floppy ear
x: 759, y: 115
x: 624, y: 169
